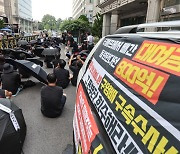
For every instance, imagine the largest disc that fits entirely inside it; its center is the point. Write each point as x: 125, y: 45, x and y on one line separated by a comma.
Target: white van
x: 128, y: 92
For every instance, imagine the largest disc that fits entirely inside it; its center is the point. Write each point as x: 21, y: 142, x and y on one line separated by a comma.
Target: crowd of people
x: 52, y: 97
x: 60, y: 78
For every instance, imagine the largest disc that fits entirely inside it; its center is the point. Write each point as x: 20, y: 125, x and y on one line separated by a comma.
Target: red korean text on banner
x: 86, y: 122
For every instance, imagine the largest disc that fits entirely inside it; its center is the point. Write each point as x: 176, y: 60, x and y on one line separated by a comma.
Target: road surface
x: 46, y: 135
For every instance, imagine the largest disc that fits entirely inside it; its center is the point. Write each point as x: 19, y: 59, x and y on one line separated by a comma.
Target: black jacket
x: 62, y: 77
x: 11, y: 81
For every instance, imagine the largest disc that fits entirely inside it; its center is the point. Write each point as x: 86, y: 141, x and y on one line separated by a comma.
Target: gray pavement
x: 46, y: 135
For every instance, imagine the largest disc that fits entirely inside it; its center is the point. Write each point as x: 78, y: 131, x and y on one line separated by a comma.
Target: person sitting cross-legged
x: 62, y: 74
x: 11, y: 79
x: 52, y: 98
x: 75, y: 68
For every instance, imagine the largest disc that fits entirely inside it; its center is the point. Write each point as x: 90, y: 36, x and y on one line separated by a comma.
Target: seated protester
x: 75, y: 49
x: 52, y: 98
x: 48, y: 60
x: 75, y: 68
x: 83, y: 46
x: 62, y: 74
x: 2, y: 62
x: 31, y: 50
x: 5, y: 94
x: 10, y: 79
x: 56, y: 60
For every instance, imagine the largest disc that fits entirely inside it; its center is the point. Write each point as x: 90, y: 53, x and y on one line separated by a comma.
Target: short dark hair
x: 22, y: 56
x: 79, y: 64
x: 62, y: 63
x: 51, y: 78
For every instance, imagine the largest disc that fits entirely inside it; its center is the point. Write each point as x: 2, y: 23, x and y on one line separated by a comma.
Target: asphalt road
x: 46, y: 135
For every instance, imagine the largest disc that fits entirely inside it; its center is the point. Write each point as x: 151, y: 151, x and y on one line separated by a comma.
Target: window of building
x: 133, y: 21
x: 168, y: 3
x: 90, y: 1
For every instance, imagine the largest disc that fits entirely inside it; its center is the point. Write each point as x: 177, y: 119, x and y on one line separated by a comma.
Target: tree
x: 74, y: 25
x: 84, y: 18
x: 49, y: 22
x: 58, y: 23
x: 40, y: 26
x: 97, y: 26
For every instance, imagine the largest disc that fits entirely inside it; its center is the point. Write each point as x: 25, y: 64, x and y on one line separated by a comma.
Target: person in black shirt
x: 52, y: 98
x: 62, y: 74
x: 70, y: 41
x: 10, y: 79
x: 75, y: 50
x: 48, y: 60
x: 56, y: 60
x: 2, y: 62
x: 75, y: 68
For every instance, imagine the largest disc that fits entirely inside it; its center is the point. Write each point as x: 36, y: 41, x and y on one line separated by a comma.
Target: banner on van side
x: 85, y: 128
x: 134, y: 87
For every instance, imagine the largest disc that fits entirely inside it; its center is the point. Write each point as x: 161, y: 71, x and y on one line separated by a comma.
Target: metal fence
x: 11, y: 42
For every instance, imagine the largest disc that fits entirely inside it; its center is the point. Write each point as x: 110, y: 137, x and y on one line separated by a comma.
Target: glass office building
x: 19, y: 13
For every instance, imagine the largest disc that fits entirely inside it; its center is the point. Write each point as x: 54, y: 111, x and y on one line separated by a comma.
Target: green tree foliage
x: 40, y: 26
x: 77, y: 25
x: 58, y: 23
x: 1, y: 23
x: 97, y: 26
x: 84, y: 18
x: 49, y: 22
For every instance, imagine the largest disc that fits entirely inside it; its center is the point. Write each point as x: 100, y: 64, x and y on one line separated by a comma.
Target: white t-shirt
x: 90, y: 39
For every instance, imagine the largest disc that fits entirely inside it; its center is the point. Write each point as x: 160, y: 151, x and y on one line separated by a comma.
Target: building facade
x: 170, y: 10
x: 118, y: 13
x: 2, y: 13
x: 85, y: 7
x: 19, y: 13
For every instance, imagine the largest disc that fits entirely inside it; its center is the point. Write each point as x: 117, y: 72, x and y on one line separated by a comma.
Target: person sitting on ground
x: 83, y: 46
x: 62, y: 74
x: 52, y: 98
x: 75, y: 49
x: 30, y: 50
x: 56, y: 60
x: 75, y: 68
x: 10, y: 79
x: 2, y: 62
x: 48, y: 61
